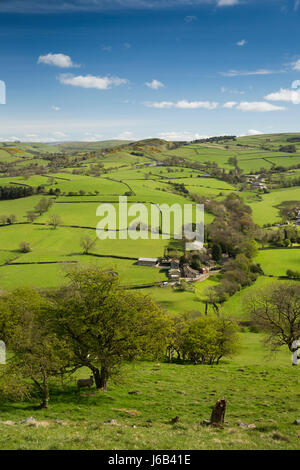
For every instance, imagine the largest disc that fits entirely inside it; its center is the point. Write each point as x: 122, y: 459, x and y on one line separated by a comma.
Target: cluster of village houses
x: 257, y: 182
x: 294, y: 215
x: 174, y: 269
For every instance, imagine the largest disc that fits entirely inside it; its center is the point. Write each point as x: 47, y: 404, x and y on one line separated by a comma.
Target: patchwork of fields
x: 124, y: 172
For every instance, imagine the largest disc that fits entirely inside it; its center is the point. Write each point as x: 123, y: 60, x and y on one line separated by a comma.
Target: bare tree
x: 276, y: 311
x: 31, y: 216
x: 55, y: 220
x: 11, y: 219
x: 87, y: 244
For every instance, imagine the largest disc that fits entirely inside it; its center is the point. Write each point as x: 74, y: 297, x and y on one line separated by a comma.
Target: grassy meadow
x: 260, y: 389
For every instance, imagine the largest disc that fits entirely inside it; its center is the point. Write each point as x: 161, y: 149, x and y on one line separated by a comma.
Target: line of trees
x: 232, y: 233
x: 15, y: 192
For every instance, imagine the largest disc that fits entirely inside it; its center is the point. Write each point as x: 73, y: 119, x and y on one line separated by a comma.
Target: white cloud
x: 190, y: 19
x: 90, y: 137
x: 297, y: 4
x: 227, y: 3
x: 230, y: 104
x: 161, y: 104
x: 296, y: 65
x: 295, y: 84
x: 232, y: 92
x: 9, y: 139
x: 58, y: 60
x: 241, y: 43
x: 126, y: 135
x: 254, y: 132
x: 284, y: 94
x: 59, y: 134
x: 180, y: 135
x: 258, y: 107
x: 47, y: 6
x: 90, y: 81
x: 55, y: 108
x: 154, y: 84
x: 183, y: 104
x: 245, y: 73
x: 31, y: 137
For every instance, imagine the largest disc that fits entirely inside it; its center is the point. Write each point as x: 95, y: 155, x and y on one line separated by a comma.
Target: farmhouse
x: 258, y: 185
x: 189, y: 272
x: 174, y: 274
x: 148, y: 262
x: 204, y: 270
x: 174, y: 263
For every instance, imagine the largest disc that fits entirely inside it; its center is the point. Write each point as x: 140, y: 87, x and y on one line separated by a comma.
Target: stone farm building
x: 152, y: 262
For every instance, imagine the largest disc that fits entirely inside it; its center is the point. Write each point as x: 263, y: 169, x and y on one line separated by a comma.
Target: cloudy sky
x: 176, y: 69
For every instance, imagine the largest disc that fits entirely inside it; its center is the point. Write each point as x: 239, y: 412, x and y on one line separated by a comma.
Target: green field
x: 81, y: 195
x: 266, y: 211
x: 276, y: 262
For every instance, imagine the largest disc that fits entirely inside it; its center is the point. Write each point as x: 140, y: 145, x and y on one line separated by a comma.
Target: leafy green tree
x: 233, y: 161
x: 87, y: 244
x: 12, y: 219
x: 208, y: 339
x: 105, y: 325
x: 43, y: 205
x: 31, y: 216
x: 217, y: 252
x: 55, y: 220
x: 36, y: 352
x: 25, y: 247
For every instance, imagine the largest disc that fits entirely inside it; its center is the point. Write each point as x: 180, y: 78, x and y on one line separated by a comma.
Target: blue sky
x: 175, y: 69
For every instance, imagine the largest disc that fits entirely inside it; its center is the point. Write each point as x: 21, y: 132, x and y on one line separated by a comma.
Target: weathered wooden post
x: 2, y: 352
x: 218, y: 413
x: 295, y: 349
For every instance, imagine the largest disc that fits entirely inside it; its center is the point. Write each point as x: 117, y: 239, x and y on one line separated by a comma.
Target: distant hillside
x: 153, y: 145
x: 90, y: 146
x: 270, y: 141
x: 32, y: 148
x: 261, y: 142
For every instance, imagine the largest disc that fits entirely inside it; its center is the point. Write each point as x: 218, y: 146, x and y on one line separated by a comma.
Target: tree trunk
x: 45, y: 403
x: 45, y: 390
x: 97, y: 377
x: 218, y: 413
x: 218, y: 359
x: 104, y: 376
x: 178, y: 355
x: 100, y: 377
x: 170, y: 353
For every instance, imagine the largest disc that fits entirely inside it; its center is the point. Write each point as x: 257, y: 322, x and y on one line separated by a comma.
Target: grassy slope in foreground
x: 260, y: 389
